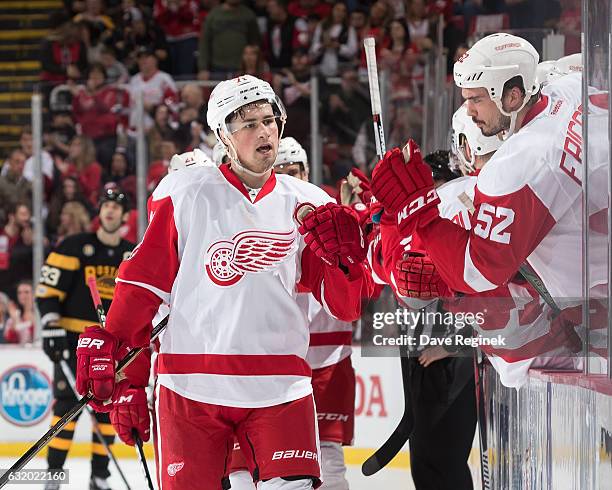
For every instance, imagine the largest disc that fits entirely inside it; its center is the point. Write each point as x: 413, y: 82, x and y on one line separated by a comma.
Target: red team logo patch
x: 227, y: 261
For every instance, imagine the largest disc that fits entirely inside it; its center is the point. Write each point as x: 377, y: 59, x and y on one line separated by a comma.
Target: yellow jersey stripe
x: 61, y: 444
x: 97, y: 448
x: 106, y: 429
x: 43, y: 291
x: 63, y: 261
x: 74, y: 324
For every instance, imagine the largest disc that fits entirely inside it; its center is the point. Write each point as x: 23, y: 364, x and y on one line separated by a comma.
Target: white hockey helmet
x: 290, y: 151
x: 195, y: 158
x: 494, y: 60
x: 229, y: 96
x: 465, y: 131
x: 572, y: 63
x: 219, y: 152
x: 547, y: 72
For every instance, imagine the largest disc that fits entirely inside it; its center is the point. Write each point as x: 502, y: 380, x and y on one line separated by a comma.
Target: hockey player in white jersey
x: 333, y: 377
x: 527, y: 199
x: 223, y: 250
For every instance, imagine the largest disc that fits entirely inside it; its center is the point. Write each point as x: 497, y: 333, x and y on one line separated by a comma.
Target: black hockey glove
x: 54, y: 341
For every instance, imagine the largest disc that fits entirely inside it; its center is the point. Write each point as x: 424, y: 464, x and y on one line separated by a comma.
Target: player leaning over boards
x: 527, y: 198
x: 65, y: 306
x: 223, y: 250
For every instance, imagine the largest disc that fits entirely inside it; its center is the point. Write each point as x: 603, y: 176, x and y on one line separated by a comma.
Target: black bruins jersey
x: 62, y: 294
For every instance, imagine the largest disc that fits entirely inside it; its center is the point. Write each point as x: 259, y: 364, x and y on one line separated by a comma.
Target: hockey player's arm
x: 57, y: 276
x: 505, y: 231
x: 143, y: 282
x: 339, y: 291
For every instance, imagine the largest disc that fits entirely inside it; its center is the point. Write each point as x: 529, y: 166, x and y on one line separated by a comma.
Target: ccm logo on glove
x: 417, y: 204
x: 89, y: 342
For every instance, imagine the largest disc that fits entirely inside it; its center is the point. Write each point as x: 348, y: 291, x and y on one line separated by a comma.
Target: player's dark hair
x: 517, y: 82
x: 241, y: 111
x: 439, y: 163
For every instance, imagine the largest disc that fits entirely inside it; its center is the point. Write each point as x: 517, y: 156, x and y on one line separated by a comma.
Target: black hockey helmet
x: 439, y: 163
x: 113, y: 194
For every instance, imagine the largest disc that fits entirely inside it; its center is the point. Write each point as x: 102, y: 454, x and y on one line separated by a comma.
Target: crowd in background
x: 101, y: 55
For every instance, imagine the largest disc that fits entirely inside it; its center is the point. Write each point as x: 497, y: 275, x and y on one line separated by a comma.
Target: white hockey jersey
x: 330, y: 338
x: 229, y: 268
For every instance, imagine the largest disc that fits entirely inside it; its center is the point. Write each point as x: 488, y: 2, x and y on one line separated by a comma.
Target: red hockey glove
x: 130, y: 412
x: 417, y: 277
x: 354, y: 188
x: 404, y: 185
x: 332, y: 232
x: 97, y: 354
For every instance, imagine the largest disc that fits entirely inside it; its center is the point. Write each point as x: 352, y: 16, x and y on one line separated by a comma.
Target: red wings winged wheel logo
x: 251, y: 251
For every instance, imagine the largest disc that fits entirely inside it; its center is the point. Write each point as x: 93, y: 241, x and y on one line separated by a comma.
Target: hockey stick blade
x: 383, y: 456
x: 389, y: 449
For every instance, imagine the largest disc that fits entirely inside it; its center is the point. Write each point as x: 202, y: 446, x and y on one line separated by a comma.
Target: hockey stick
x: 96, y: 427
x: 143, y: 459
x: 95, y: 296
x: 481, y: 415
x: 400, y: 435
x: 74, y: 411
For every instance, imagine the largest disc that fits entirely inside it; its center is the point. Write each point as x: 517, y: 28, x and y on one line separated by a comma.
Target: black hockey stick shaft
x: 143, y: 459
x: 96, y: 427
x: 393, y: 445
x: 74, y: 411
x: 95, y: 296
x: 481, y: 415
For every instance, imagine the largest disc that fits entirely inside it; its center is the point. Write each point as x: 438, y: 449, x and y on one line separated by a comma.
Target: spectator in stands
x: 285, y: 32
x: 158, y: 169
x: 334, y: 42
x: 26, y: 143
x: 192, y: 97
x: 155, y: 86
x: 16, y: 239
x: 136, y: 33
x: 220, y: 48
x: 253, y: 63
x: 68, y: 191
x: 293, y: 86
x: 163, y: 128
x: 20, y: 327
x: 98, y: 110
x: 4, y: 314
x: 399, y: 58
x: 359, y: 21
x: 13, y: 185
x: 380, y: 16
x: 94, y: 16
x: 74, y: 219
x: 304, y: 8
x: 17, y: 218
x: 63, y: 57
x: 180, y: 22
x: 59, y: 134
x: 346, y: 109
x: 570, y: 25
x: 116, y: 72
x: 119, y: 169
x: 419, y: 25
x: 81, y: 162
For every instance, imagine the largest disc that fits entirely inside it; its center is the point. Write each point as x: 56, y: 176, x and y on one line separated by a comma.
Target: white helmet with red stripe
x: 228, y: 97
x: 493, y: 61
x: 195, y: 158
x: 469, y: 142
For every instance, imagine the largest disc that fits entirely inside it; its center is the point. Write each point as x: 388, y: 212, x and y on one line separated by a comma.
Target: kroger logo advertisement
x: 25, y: 395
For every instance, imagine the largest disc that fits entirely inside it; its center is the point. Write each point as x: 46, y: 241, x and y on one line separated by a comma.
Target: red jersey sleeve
x: 505, y: 230
x: 339, y: 293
